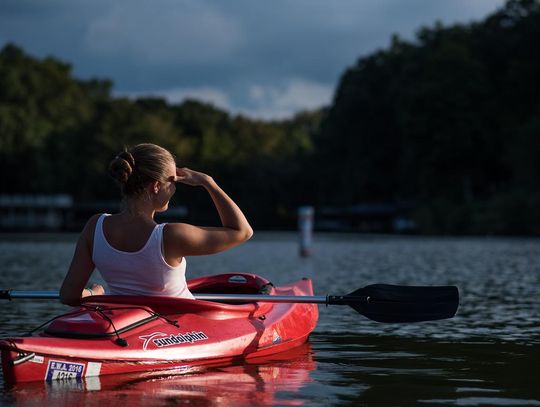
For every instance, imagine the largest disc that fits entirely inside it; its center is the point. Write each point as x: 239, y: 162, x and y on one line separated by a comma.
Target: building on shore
x: 59, y: 213
x: 367, y: 218
x: 34, y: 212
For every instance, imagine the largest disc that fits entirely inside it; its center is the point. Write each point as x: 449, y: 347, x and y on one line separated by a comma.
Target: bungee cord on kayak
x: 102, y: 311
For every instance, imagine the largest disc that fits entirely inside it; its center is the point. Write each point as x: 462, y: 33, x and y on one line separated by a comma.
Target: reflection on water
x: 487, y: 355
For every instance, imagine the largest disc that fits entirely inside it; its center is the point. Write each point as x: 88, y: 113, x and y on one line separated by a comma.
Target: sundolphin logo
x: 148, y: 338
x: 158, y: 338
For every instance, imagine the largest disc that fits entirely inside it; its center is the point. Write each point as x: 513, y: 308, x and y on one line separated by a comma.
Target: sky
x: 262, y: 59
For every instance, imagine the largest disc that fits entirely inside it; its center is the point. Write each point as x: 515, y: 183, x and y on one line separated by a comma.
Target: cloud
x: 186, y: 31
x: 209, y: 95
x: 271, y: 102
x: 279, y: 102
x: 256, y: 58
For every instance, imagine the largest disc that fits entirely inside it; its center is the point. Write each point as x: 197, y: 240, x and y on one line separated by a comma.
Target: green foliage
x: 58, y: 134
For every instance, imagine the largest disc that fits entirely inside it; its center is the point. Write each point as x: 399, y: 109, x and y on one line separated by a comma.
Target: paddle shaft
x: 314, y: 299
x: 30, y: 295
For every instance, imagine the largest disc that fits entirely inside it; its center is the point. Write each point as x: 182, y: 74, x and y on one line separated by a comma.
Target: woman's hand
x: 190, y: 177
x: 97, y: 289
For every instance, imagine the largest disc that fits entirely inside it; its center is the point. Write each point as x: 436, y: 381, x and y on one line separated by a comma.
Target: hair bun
x: 122, y: 166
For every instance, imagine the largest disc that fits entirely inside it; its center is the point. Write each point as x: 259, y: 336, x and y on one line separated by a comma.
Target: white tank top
x: 144, y: 272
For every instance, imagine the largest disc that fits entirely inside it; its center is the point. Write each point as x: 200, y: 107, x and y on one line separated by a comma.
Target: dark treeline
x: 448, y: 123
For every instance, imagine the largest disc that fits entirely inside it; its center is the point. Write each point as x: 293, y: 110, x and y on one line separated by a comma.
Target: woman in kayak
x: 134, y: 254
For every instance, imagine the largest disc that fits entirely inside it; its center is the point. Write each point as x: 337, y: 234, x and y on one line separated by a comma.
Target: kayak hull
x: 121, y: 334
x: 259, y: 381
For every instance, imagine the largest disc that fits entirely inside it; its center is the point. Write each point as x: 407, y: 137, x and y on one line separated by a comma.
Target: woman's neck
x: 138, y: 208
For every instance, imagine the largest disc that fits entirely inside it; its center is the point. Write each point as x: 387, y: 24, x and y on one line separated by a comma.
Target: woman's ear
x: 155, y: 187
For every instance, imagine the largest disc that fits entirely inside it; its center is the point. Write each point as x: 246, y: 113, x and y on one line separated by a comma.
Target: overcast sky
x: 266, y: 59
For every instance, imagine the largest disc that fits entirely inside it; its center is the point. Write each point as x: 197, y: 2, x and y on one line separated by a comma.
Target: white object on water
x: 305, y: 229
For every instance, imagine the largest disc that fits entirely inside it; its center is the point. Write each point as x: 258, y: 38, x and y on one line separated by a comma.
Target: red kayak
x: 126, y: 334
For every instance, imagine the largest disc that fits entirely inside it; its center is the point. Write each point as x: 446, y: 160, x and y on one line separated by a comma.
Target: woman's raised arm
x: 189, y: 240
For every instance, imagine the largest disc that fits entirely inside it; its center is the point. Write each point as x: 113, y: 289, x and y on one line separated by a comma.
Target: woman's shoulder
x: 178, y: 234
x: 90, y: 226
x: 175, y: 229
x: 92, y: 221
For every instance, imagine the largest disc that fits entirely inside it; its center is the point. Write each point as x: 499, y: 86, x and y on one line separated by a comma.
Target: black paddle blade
x: 394, y: 303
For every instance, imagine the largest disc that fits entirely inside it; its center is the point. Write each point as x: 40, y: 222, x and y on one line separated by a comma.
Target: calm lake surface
x: 489, y: 354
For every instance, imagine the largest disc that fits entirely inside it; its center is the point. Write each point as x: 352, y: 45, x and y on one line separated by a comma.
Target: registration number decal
x: 58, y: 370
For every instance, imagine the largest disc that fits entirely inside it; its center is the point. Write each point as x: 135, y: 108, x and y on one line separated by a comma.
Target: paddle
x: 378, y: 302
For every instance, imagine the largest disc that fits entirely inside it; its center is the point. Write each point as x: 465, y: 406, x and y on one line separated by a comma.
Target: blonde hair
x: 135, y: 168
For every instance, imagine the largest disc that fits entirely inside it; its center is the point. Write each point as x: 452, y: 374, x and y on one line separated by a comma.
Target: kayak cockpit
x: 94, y: 317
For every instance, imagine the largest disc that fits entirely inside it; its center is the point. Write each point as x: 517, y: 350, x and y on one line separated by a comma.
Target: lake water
x: 489, y: 354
